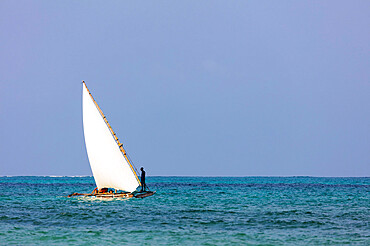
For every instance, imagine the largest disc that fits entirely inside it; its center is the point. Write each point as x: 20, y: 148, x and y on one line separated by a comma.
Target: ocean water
x: 188, y: 211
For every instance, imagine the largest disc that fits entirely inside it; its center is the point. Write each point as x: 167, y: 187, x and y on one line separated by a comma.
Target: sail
x: 109, y: 166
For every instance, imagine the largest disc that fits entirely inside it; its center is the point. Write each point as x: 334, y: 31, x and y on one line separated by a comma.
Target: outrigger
x: 113, y: 171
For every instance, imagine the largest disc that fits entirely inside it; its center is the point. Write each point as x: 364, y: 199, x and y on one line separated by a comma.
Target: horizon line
x: 196, y: 176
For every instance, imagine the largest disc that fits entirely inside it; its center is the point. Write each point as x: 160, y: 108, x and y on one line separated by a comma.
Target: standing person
x: 143, y: 185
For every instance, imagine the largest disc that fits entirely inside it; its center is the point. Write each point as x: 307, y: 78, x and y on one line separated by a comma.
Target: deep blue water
x: 188, y: 211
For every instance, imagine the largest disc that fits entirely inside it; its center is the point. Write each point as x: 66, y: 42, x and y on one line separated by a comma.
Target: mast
x: 120, y: 145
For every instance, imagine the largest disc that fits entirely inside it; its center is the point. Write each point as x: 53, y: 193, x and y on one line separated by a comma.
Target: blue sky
x: 203, y: 88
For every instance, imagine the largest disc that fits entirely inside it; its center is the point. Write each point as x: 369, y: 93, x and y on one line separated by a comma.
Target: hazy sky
x: 231, y: 88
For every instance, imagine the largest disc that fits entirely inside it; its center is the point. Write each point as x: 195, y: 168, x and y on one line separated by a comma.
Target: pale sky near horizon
x: 201, y: 88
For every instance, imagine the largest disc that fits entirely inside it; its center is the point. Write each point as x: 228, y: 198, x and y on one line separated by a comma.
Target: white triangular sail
x: 109, y: 167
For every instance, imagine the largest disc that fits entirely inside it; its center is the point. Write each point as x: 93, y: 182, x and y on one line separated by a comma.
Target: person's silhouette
x: 143, y: 185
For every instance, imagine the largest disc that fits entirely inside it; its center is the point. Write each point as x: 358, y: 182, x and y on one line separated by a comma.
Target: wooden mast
x: 120, y: 145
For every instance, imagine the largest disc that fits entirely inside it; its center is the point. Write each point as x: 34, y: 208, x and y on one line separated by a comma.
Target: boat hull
x: 145, y: 194
x: 115, y: 195
x: 105, y: 195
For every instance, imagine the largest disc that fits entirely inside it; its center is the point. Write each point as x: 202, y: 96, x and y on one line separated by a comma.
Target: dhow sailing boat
x: 112, y: 169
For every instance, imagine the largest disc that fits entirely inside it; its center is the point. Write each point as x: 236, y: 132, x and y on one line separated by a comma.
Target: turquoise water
x: 188, y: 211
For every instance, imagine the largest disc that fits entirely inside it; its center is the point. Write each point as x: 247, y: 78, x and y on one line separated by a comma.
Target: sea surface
x: 188, y: 211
